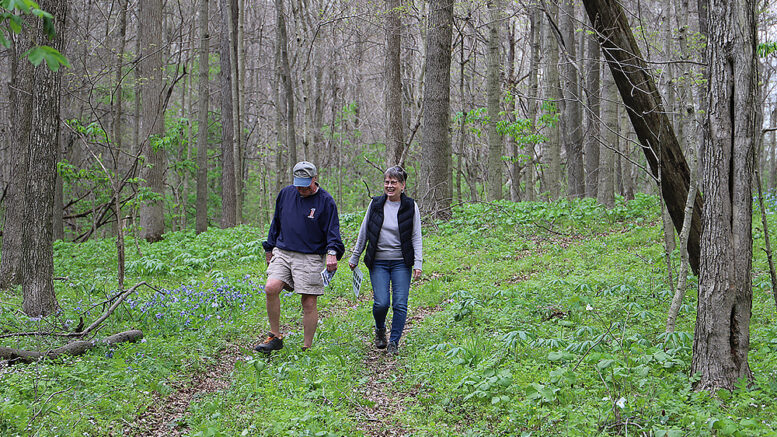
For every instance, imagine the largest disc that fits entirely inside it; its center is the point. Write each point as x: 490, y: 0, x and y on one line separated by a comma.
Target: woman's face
x: 393, y: 188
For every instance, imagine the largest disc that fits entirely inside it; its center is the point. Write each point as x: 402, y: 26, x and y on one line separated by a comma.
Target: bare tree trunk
x: 228, y: 176
x: 291, y: 133
x: 514, y: 168
x: 241, y: 83
x: 722, y: 336
x: 571, y: 125
x: 436, y: 144
x: 772, y: 144
x: 682, y: 274
x: 395, y: 142
x: 152, y: 123
x: 201, y: 224
x: 646, y: 113
x: 606, y: 191
x: 232, y: 24
x: 592, y: 137
x: 552, y: 153
x: 535, y: 30
x: 37, y: 244
x: 15, y: 202
x: 494, y: 91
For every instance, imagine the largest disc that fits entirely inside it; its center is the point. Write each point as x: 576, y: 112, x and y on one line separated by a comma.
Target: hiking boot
x: 271, y: 343
x: 392, y: 348
x: 380, y: 338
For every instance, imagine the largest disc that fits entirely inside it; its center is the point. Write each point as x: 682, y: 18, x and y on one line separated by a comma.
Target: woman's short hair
x: 396, y: 172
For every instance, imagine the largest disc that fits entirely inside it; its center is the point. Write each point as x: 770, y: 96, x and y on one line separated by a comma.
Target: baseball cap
x: 303, y: 173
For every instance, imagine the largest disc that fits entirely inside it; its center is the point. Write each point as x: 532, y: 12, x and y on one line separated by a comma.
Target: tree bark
x: 571, y: 117
x: 15, y: 202
x: 285, y: 74
x: 436, y: 144
x: 152, y: 122
x: 395, y: 142
x: 228, y: 184
x: 722, y: 335
x: 643, y: 104
x: 593, y: 114
x: 552, y: 147
x: 606, y: 191
x: 535, y: 29
x: 201, y: 224
x: 37, y: 244
x: 494, y: 92
x: 234, y: 65
x: 74, y: 348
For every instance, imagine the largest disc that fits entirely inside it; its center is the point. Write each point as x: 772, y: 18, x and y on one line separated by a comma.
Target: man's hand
x: 331, y: 263
x: 352, y: 266
x: 416, y: 274
x: 268, y: 257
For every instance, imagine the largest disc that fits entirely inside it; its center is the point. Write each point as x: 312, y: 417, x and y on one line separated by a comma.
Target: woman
x: 391, y: 231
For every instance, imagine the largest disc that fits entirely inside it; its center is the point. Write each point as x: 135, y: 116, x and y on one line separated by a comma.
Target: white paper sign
x: 358, y: 276
x: 326, y: 276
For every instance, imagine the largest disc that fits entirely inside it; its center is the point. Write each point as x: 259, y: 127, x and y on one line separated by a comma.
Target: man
x: 304, y: 239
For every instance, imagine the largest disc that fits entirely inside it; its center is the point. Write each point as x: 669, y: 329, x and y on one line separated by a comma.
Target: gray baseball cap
x: 303, y: 173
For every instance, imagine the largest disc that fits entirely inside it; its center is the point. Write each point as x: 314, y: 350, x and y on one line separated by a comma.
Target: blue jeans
x: 398, y: 274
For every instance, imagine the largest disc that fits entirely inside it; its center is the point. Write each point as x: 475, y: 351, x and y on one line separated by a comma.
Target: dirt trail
x: 164, y: 416
x: 378, y: 418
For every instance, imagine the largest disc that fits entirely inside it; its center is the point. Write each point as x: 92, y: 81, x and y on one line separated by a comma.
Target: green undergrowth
x: 542, y: 319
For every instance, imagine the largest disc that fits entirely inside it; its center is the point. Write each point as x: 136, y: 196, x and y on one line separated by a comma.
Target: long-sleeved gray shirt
x: 389, y: 247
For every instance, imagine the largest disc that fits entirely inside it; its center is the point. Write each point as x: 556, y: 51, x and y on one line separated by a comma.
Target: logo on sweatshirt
x: 312, y: 211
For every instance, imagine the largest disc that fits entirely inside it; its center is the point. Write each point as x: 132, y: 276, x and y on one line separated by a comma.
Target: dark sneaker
x: 271, y: 343
x: 380, y: 338
x: 392, y: 348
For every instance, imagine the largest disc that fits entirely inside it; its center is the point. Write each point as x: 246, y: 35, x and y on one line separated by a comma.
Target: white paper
x: 357, y: 281
x: 326, y: 276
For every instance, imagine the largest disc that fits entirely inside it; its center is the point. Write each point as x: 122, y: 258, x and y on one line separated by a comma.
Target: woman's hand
x: 416, y: 274
x: 352, y: 266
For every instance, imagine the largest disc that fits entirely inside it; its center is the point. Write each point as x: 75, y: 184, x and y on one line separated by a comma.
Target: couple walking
x: 304, y: 239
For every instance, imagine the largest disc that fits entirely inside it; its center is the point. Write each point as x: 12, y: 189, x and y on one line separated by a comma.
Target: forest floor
x: 529, y: 319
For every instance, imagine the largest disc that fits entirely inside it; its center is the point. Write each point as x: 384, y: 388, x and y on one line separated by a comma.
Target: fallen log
x: 74, y: 348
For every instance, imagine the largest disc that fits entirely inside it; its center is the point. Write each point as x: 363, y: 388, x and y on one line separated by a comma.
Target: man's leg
x: 272, y: 292
x: 309, y: 318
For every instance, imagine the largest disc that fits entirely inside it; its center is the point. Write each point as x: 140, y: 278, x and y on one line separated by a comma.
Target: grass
x: 541, y: 319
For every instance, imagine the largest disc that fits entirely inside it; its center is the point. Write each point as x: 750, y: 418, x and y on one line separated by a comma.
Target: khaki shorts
x: 300, y: 271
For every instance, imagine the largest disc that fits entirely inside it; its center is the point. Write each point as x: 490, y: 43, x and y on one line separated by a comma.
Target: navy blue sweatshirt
x: 305, y: 224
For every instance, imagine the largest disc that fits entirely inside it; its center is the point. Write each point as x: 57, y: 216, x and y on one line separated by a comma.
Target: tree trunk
x: 201, y: 224
x: 535, y: 29
x: 494, y: 91
x: 606, y: 191
x: 514, y: 168
x: 722, y: 337
x: 152, y: 122
x: 15, y: 202
x: 228, y: 185
x: 592, y: 138
x: 643, y: 104
x: 771, y: 142
x: 232, y: 24
x: 571, y: 124
x: 395, y: 143
x: 37, y: 244
x: 285, y: 70
x: 436, y: 144
x: 552, y: 152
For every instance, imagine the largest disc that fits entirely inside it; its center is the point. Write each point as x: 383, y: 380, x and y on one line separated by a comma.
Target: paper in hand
x: 357, y: 281
x: 326, y: 276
